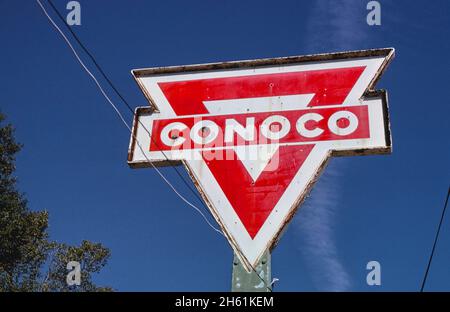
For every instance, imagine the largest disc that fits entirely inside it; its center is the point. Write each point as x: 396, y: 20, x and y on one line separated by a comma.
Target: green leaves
x: 29, y: 261
x: 91, y: 256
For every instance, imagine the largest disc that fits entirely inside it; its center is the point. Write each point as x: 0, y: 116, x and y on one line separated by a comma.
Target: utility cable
x: 435, y: 242
x: 123, y: 119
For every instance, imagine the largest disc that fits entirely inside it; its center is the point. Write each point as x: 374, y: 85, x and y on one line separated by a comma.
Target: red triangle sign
x: 254, y: 135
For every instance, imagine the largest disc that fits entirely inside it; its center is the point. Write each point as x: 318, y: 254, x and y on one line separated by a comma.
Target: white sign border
x: 320, y: 155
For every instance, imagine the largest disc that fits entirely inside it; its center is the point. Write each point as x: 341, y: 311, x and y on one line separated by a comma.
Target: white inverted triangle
x: 256, y: 157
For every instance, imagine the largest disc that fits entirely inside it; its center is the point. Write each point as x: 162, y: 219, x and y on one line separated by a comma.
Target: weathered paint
x: 249, y: 244
x: 258, y: 280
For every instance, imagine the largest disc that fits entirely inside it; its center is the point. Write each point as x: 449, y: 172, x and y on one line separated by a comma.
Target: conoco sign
x: 255, y: 135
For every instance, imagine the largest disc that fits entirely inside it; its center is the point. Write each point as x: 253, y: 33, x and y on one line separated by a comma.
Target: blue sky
x: 382, y: 208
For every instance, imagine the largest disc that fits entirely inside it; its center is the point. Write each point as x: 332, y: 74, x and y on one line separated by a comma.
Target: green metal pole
x: 251, y: 282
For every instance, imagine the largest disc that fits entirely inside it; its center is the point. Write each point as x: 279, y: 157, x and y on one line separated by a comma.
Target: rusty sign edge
x: 369, y: 93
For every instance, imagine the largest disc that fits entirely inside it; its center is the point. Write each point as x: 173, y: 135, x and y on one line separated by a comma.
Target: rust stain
x: 388, y: 53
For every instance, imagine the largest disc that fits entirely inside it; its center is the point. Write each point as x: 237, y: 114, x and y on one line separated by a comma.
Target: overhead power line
x: 121, y: 116
x: 435, y: 242
x: 129, y: 107
x: 123, y: 119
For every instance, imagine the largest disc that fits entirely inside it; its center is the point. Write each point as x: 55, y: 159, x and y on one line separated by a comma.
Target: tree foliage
x: 29, y: 260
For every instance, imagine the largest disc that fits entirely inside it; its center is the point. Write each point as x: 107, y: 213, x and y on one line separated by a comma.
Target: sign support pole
x: 250, y: 282
x: 255, y: 191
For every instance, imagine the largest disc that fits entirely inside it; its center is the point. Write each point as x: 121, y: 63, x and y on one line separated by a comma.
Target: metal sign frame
x: 369, y: 93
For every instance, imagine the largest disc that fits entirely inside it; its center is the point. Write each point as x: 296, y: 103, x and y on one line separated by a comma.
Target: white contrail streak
x: 332, y: 25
